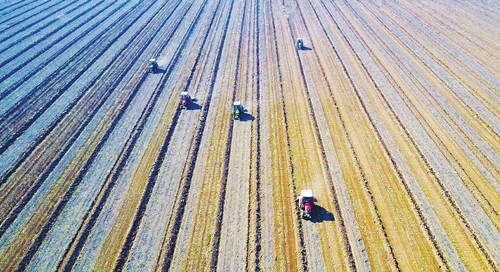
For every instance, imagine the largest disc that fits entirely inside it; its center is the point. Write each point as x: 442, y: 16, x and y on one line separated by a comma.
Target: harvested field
x: 390, y: 114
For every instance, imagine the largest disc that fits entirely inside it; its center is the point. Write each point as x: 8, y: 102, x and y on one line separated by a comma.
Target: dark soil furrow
x: 294, y: 183
x: 24, y: 64
x: 44, y: 37
x: 26, y: 111
x: 222, y: 197
x: 159, y: 160
x: 365, y: 182
x: 254, y: 237
x: 32, y: 23
x: 27, y: 11
x: 170, y: 240
x: 21, y: 5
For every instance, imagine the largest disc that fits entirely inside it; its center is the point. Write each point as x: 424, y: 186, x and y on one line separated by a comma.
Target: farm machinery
x: 152, y: 65
x: 237, y: 110
x: 185, y: 100
x: 305, y: 202
x: 299, y: 44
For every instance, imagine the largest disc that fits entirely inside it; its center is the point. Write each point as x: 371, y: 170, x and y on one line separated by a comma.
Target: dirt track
x: 390, y: 114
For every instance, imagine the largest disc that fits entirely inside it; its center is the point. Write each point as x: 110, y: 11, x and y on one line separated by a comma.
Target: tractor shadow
x: 305, y: 48
x: 194, y: 106
x: 320, y: 214
x: 159, y: 71
x: 245, y: 116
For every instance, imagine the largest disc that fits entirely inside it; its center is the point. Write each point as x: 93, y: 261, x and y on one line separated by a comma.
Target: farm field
x: 389, y: 113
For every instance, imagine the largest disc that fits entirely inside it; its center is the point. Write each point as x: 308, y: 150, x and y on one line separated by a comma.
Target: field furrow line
x: 271, y: 164
x: 31, y: 57
x: 254, y: 231
x: 438, y: 45
x: 170, y: 241
x: 36, y: 163
x: 431, y: 235
x: 153, y: 175
x: 481, y: 9
x: 462, y: 26
x: 285, y: 192
x: 107, y: 218
x: 473, y: 111
x: 384, y: 242
x: 20, y: 4
x: 485, y: 22
x: 33, y: 164
x: 17, y: 44
x: 489, y: 159
x: 29, y: 16
x: 405, y: 194
x: 7, y: 171
x: 471, y: 176
x: 233, y: 253
x: 388, y: 111
x: 345, y: 255
x: 68, y: 192
x: 478, y: 8
x: 493, y: 170
x: 91, y: 216
x: 31, y: 106
x: 484, y: 90
x: 451, y: 201
x: 27, y: 109
x: 325, y: 104
x: 478, y: 52
x: 53, y: 17
x: 151, y: 233
x: 205, y: 234
x: 419, y: 118
x: 131, y: 140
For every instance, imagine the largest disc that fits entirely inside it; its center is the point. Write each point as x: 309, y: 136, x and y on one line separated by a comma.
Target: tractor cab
x: 305, y: 202
x: 237, y: 110
x: 299, y: 44
x: 152, y: 65
x: 185, y: 100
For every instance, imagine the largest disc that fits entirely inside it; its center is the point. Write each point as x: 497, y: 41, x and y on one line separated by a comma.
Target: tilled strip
x: 39, y: 30
x: 47, y: 92
x: 300, y: 230
x: 20, y: 4
x: 27, y: 19
x: 25, y: 184
x: 254, y: 230
x: 449, y: 197
x: 170, y: 241
x: 91, y: 216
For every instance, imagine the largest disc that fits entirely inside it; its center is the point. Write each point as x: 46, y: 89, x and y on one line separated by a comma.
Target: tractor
x: 237, y: 110
x: 152, y: 65
x: 299, y: 44
x: 305, y: 202
x: 185, y: 100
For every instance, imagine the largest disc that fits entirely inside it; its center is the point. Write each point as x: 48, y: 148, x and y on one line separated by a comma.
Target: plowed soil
x: 389, y: 113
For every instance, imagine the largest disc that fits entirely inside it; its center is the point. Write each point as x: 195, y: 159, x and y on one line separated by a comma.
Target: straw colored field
x: 390, y: 114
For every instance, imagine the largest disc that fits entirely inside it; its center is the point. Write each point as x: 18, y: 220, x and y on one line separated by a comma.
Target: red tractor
x: 305, y: 202
x: 185, y: 100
